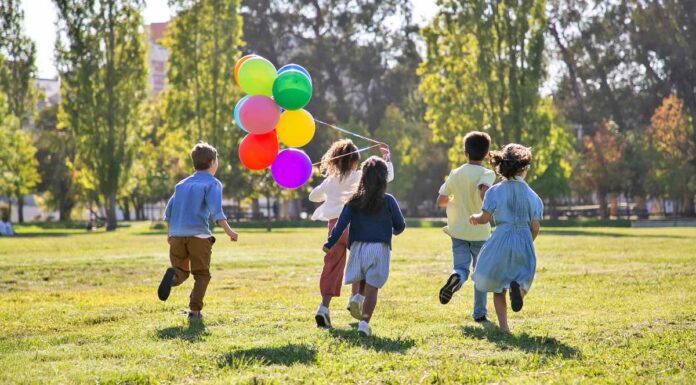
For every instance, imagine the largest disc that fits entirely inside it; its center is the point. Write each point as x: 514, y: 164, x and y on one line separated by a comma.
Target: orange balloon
x: 239, y: 64
x: 257, y: 152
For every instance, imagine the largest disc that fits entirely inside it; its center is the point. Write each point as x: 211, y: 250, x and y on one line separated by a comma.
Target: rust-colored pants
x: 334, y: 262
x: 191, y: 255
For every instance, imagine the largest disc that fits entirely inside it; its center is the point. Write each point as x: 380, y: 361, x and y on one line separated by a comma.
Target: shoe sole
x: 447, y: 291
x: 355, y: 310
x: 165, y: 287
x: 322, y: 322
x: 516, y: 301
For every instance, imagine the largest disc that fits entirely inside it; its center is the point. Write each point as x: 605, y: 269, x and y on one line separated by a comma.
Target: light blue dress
x: 509, y: 254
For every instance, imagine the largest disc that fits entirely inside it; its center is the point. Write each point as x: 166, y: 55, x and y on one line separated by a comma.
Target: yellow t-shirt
x: 464, y: 199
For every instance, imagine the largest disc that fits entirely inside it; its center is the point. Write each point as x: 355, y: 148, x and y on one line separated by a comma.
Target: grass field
x: 608, y: 306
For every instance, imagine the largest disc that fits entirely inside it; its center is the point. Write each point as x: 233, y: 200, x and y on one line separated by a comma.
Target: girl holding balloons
x: 339, y: 165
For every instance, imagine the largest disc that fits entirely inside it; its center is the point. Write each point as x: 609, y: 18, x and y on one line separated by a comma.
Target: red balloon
x: 257, y: 152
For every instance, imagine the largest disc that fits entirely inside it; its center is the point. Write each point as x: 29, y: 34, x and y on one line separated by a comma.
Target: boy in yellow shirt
x: 462, y: 195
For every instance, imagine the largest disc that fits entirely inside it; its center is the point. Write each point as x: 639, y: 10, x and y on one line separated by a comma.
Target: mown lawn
x: 608, y: 305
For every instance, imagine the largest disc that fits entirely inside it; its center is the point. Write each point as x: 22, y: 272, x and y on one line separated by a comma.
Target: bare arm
x: 481, y: 218
x: 442, y: 201
x: 482, y: 190
x: 228, y: 230
x: 535, y: 227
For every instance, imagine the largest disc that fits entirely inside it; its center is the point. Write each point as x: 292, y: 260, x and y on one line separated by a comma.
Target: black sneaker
x: 482, y: 320
x: 450, y: 288
x: 165, y: 286
x: 516, y: 296
x: 195, y: 316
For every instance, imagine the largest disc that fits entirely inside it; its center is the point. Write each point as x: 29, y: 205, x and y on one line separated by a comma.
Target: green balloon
x: 256, y: 76
x: 292, y: 90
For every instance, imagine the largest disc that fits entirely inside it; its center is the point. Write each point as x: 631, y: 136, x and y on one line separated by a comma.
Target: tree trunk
x: 9, y: 209
x: 553, y: 213
x: 641, y: 209
x: 64, y: 210
x: 255, y: 210
x: 268, y: 213
x: 603, y: 205
x: 20, y: 209
x: 613, y: 205
x: 110, y: 203
x: 126, y: 210
x: 688, y: 205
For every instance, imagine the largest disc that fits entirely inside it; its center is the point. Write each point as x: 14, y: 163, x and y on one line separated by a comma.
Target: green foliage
x: 18, y: 164
x: 82, y: 300
x: 101, y: 61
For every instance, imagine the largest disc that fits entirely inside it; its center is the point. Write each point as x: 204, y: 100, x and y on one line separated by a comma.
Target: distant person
x: 340, y: 167
x: 507, y: 262
x: 5, y: 226
x: 373, y: 216
x: 462, y: 194
x: 190, y: 240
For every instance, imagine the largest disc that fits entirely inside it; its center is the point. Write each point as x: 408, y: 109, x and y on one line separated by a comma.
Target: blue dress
x: 509, y: 254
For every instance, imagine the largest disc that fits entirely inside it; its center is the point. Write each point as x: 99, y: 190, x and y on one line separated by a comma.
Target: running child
x: 373, y: 216
x: 190, y: 240
x: 508, y: 261
x: 462, y: 194
x: 340, y: 166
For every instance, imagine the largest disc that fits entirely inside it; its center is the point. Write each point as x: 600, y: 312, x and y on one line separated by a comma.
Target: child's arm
x: 482, y: 190
x: 535, y: 227
x: 442, y: 201
x: 481, y: 218
x: 398, y: 222
x: 386, y: 154
x: 318, y: 194
x: 213, y: 198
x: 337, y: 231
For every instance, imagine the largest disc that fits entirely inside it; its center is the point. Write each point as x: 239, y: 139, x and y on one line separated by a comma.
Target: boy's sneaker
x: 482, y: 320
x: 322, y: 317
x: 364, y: 329
x: 165, y: 286
x: 451, y: 286
x: 516, y: 296
x: 355, y: 306
x: 195, y: 316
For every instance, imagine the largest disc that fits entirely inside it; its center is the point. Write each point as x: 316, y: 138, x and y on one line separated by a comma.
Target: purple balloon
x: 259, y: 114
x: 292, y: 168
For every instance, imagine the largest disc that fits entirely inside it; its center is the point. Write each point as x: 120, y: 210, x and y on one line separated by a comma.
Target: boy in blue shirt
x: 195, y: 199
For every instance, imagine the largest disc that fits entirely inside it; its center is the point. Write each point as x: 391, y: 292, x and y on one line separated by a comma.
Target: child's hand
x: 325, y: 249
x: 233, y: 236
x: 384, y: 150
x: 473, y: 219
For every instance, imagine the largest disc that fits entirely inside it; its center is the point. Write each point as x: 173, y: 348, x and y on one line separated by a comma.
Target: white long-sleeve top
x: 335, y: 191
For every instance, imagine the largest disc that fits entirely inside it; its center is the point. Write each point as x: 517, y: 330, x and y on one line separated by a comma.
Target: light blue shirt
x: 195, y: 199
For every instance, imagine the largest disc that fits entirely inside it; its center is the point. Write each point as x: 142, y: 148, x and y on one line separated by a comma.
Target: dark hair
x: 511, y: 160
x: 203, y: 155
x: 340, y: 158
x: 476, y: 145
x: 373, y: 185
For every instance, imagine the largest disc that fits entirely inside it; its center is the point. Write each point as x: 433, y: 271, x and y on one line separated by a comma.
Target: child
x: 339, y: 164
x: 195, y: 199
x: 508, y: 261
x: 462, y: 194
x: 373, y: 217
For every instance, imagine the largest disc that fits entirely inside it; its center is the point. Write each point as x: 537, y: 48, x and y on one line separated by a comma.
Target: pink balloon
x: 259, y: 114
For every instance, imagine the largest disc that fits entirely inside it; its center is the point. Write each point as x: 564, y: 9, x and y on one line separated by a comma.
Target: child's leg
x: 179, y: 258
x: 370, y: 302
x: 358, y: 288
x: 501, y: 310
x: 331, y: 278
x: 200, y: 250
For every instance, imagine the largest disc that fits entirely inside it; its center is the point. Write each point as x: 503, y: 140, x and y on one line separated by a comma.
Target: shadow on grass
x: 283, y: 355
x: 40, y: 234
x: 193, y: 333
x: 380, y: 344
x: 548, y: 346
x: 553, y: 231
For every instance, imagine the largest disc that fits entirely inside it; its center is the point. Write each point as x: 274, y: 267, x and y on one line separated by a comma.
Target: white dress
x: 334, y: 191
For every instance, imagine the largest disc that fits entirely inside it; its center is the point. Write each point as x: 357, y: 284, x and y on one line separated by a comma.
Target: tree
x: 56, y: 157
x: 101, y: 61
x: 17, y: 73
x: 19, y: 167
x: 670, y: 150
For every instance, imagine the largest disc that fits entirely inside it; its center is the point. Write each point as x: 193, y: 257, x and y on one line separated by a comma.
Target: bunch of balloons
x: 272, y: 114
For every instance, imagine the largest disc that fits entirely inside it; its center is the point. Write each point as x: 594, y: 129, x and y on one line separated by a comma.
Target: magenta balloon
x: 292, y: 168
x: 259, y: 114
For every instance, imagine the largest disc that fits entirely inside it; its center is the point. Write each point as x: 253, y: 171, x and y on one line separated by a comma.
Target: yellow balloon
x: 295, y: 128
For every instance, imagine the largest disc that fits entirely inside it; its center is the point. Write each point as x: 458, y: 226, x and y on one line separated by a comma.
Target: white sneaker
x: 355, y: 305
x: 322, y: 317
x: 364, y: 329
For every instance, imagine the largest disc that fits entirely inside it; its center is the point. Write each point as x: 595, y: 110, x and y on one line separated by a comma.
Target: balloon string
x: 343, y: 130
x: 347, y: 154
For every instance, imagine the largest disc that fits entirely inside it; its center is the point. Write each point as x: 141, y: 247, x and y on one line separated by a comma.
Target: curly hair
x: 511, y: 160
x: 336, y: 161
x: 373, y: 185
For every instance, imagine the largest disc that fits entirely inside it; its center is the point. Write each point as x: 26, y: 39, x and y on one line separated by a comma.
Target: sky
x: 40, y: 19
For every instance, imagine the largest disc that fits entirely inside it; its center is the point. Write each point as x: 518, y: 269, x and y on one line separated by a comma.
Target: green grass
x: 609, y: 305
